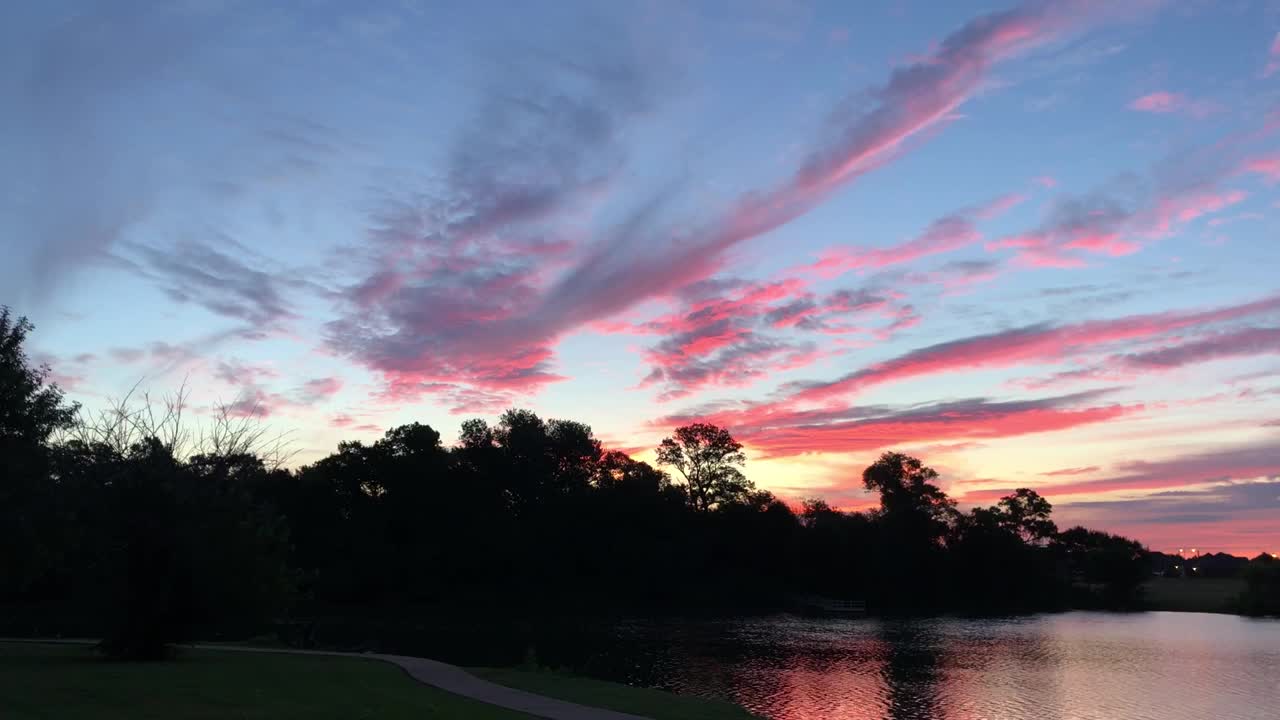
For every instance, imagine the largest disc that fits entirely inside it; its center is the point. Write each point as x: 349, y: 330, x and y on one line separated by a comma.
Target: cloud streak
x: 946, y: 234
x: 647, y: 254
x: 1236, y: 464
x: 1178, y: 353
x: 730, y: 333
x: 1125, y: 215
x: 781, y: 433
x: 1165, y: 102
x: 1029, y: 344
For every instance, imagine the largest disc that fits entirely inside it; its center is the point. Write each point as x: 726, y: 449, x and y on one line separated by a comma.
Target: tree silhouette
x: 31, y: 410
x: 708, y: 458
x: 1117, y: 563
x: 1027, y: 514
x: 906, y: 490
x: 132, y: 525
x: 916, y: 517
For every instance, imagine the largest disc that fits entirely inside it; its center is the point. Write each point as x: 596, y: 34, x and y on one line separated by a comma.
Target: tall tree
x: 906, y: 487
x: 31, y: 410
x: 708, y: 458
x: 913, y: 523
x: 1026, y: 513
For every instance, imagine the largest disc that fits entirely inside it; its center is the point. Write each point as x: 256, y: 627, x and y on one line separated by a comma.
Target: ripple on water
x: 1072, y: 666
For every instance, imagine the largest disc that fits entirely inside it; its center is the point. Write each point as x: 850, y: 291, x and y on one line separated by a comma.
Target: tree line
x: 127, y: 527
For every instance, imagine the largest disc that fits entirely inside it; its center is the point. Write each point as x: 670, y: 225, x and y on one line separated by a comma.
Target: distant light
x: 1195, y: 569
x: 1277, y: 557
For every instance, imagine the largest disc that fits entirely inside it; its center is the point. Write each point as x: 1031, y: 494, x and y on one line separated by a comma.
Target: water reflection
x: 1076, y: 666
x: 912, y: 677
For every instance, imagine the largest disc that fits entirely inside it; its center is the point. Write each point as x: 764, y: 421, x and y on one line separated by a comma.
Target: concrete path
x: 450, y: 678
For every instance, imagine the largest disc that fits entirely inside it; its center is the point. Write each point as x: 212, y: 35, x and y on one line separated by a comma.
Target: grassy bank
x: 63, y: 682
x: 640, y: 701
x: 70, y: 682
x: 1193, y: 594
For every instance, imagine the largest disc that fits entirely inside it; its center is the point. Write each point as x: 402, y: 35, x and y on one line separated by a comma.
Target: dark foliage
x: 30, y: 412
x: 526, y: 518
x: 1262, y: 593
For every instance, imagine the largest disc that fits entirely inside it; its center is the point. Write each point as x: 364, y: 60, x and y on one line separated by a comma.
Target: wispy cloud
x: 951, y: 232
x: 1041, y: 343
x: 1071, y: 471
x: 1034, y: 343
x: 1268, y: 166
x: 1175, y: 353
x: 1240, y: 463
x: 222, y: 283
x: 1163, y: 101
x: 776, y: 432
x: 426, y: 328
x: 1123, y: 216
x: 254, y: 400
x: 730, y: 333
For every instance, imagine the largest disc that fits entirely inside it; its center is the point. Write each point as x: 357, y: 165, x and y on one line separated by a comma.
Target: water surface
x: 1073, y: 666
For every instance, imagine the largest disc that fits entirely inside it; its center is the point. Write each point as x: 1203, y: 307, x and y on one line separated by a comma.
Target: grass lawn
x: 1193, y: 594
x: 65, y: 682
x: 640, y: 701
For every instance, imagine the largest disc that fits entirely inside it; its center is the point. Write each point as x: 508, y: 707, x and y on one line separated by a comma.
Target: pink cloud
x: 1167, y: 102
x: 437, y: 322
x: 730, y: 333
x: 1103, y: 244
x: 1101, y: 225
x: 950, y: 424
x: 501, y: 378
x: 1273, y: 63
x: 1158, y: 102
x: 945, y: 234
x: 318, y: 389
x: 1007, y: 348
x: 731, y: 337
x: 238, y: 373
x: 958, y: 276
x: 256, y: 401
x: 1012, y: 347
x: 1236, y: 343
x: 1243, y: 342
x: 1072, y: 471
x: 463, y: 400
x: 737, y: 365
x: 779, y: 432
x: 1183, y: 208
x: 1267, y: 166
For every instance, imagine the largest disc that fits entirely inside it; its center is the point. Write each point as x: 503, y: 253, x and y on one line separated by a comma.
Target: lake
x: 1071, y: 666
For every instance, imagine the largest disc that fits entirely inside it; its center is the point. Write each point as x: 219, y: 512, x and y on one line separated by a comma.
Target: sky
x: 1029, y: 243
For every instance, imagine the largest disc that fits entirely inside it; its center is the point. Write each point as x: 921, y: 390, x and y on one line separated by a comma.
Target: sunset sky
x: 1034, y: 244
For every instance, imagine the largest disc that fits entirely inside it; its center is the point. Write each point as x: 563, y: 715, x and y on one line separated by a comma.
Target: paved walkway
x: 447, y: 677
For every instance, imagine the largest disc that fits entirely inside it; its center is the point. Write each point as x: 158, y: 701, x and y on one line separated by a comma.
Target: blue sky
x: 1031, y: 242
